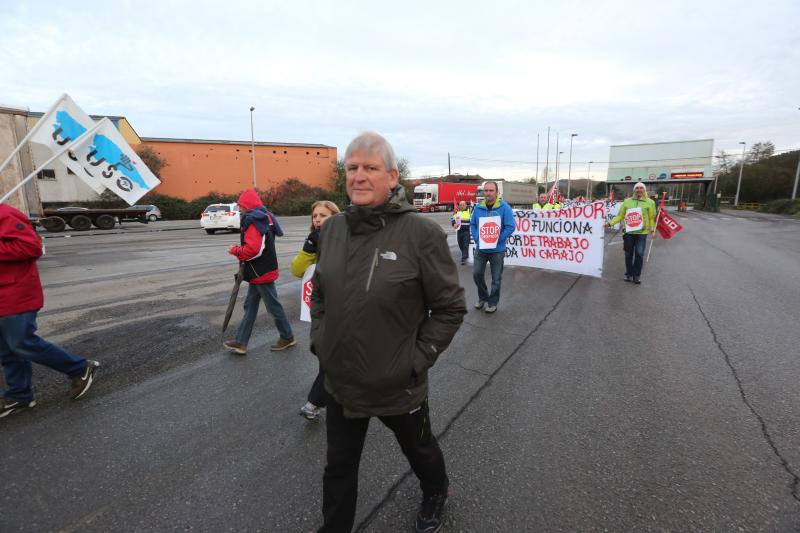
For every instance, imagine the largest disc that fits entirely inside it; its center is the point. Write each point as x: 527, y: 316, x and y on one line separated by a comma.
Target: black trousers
x: 345, y: 443
x: 463, y: 242
x: 317, y: 394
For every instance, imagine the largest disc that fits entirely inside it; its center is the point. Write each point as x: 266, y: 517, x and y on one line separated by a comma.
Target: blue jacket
x: 501, y: 209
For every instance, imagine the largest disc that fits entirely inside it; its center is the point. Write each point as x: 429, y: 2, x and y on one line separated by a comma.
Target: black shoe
x: 429, y: 517
x: 627, y: 278
x: 11, y: 406
x: 636, y: 280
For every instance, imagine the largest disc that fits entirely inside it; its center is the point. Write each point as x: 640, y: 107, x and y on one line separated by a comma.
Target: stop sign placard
x: 488, y: 232
x: 305, y: 294
x: 634, y: 221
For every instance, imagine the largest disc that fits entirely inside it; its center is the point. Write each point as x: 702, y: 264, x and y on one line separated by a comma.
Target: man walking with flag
x: 21, y: 297
x: 638, y: 213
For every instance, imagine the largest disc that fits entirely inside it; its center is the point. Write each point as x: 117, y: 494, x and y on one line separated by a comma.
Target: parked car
x: 153, y: 212
x: 220, y: 216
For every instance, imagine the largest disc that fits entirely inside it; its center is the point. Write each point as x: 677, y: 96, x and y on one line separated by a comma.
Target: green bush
x: 784, y: 206
x: 292, y: 197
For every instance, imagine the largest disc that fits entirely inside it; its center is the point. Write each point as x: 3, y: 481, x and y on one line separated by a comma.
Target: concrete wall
x: 12, y: 130
x: 195, y: 168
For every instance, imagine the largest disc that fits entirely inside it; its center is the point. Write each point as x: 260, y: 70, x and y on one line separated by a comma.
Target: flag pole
x: 655, y: 226
x: 35, y: 128
x: 67, y: 147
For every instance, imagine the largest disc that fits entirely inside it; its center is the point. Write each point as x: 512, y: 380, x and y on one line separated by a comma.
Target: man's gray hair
x: 640, y: 185
x: 370, y: 142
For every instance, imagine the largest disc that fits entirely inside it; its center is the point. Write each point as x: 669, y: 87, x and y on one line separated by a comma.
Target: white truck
x: 515, y: 193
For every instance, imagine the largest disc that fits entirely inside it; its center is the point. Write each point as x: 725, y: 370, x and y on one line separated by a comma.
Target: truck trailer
x: 430, y: 197
x: 515, y: 193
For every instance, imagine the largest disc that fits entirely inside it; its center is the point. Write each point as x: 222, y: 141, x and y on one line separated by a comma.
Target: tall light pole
x: 253, y: 145
x: 796, y: 175
x: 589, y: 180
x: 741, y: 167
x: 558, y: 156
x: 569, y: 169
x: 537, y: 163
x: 547, y: 160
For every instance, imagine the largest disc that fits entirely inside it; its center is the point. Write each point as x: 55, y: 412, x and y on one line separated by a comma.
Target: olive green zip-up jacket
x: 386, y: 303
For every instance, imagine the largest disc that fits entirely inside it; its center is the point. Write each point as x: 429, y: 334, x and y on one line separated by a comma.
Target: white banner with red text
x: 569, y: 239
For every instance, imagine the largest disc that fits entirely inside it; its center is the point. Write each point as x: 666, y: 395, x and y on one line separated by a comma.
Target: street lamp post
x: 253, y: 145
x: 558, y: 156
x: 796, y: 175
x: 589, y: 180
x: 739, y: 183
x: 569, y: 169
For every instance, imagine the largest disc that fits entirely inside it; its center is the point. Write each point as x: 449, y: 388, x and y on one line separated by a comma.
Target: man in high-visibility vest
x: 544, y: 204
x: 639, y: 215
x: 460, y: 222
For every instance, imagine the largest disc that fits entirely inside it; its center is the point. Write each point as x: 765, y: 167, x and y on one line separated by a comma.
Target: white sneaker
x: 491, y: 309
x: 310, y: 411
x: 480, y: 304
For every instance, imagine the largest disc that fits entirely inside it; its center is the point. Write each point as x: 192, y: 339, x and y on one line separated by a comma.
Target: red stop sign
x: 490, y: 232
x: 307, y: 288
x: 633, y: 219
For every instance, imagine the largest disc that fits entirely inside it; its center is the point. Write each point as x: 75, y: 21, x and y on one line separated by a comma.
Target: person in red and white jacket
x: 259, y: 228
x: 21, y: 297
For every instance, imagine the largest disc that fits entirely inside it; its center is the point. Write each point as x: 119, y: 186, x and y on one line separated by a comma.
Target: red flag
x: 552, y: 196
x: 667, y: 226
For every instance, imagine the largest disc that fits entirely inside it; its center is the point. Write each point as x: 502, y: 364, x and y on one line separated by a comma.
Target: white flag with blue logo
x: 62, y: 124
x: 105, y: 161
x: 118, y: 167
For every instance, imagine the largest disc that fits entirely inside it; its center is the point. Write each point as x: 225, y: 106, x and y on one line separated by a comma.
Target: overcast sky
x: 476, y: 79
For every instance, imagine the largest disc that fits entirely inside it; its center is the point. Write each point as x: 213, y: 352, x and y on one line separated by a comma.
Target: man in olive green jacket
x: 386, y: 303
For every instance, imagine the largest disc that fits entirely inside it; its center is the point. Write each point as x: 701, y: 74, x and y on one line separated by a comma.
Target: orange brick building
x: 196, y: 167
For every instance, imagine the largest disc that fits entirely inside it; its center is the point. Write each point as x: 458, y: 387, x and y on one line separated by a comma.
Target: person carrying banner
x: 320, y: 212
x: 386, y: 303
x: 21, y: 297
x: 491, y: 224
x: 638, y: 214
x: 257, y: 251
x: 460, y: 221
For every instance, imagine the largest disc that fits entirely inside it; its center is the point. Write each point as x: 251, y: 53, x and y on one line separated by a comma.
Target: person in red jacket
x: 21, y: 297
x: 257, y: 251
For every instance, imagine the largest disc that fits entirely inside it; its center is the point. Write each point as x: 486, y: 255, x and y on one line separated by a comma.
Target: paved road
x: 581, y: 405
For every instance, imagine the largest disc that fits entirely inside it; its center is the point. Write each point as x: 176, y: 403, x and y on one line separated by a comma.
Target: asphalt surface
x: 583, y: 404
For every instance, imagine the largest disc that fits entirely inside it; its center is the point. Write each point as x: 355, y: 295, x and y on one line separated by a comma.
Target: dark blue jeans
x: 495, y: 260
x: 268, y: 293
x: 463, y: 242
x: 634, y: 245
x: 20, y: 346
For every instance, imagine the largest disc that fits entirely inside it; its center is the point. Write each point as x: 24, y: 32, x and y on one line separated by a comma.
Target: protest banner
x: 306, y: 287
x: 569, y: 239
x: 612, y: 210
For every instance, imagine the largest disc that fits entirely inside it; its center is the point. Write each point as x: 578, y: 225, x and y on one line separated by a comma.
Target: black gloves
x: 310, y: 246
